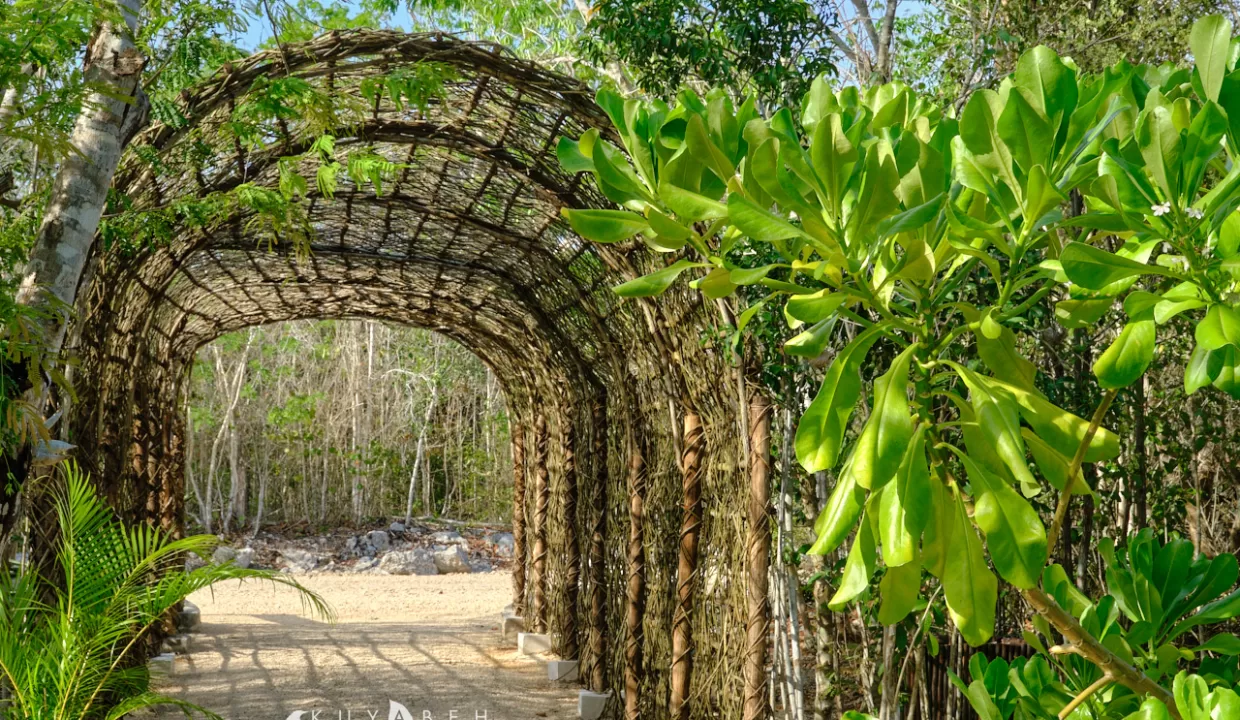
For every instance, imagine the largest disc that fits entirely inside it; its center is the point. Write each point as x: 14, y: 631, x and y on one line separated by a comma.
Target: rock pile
x: 422, y: 548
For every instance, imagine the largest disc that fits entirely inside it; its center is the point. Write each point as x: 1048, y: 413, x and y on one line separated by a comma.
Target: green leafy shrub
x: 1157, y: 594
x: 889, y: 217
x: 71, y: 650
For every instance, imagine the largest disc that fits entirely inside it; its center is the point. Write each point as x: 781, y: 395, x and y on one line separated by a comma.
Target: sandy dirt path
x: 430, y: 643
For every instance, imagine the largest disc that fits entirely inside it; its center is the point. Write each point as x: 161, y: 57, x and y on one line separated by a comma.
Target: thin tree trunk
x: 518, y: 518
x: 635, y: 609
x: 758, y: 554
x: 1140, y: 482
x: 542, y: 499
x: 598, y: 551
x: 569, y: 640
x: 690, y: 529
x: 417, y: 459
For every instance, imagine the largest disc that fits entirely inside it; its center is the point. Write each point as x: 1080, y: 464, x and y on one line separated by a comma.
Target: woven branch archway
x: 466, y: 240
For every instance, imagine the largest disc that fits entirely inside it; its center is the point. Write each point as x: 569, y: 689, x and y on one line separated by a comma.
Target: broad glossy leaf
x: 812, y: 342
x: 1223, y: 644
x: 1014, y: 532
x: 889, y: 429
x: 1059, y: 428
x: 1160, y: 145
x: 1151, y: 709
x: 1203, y: 368
x: 820, y: 432
x: 1210, y: 40
x: 997, y: 417
x: 858, y: 568
x: 1221, y: 326
x: 834, y: 157
x: 656, y: 282
x: 1053, y: 465
x: 815, y: 307
x: 1026, y: 132
x: 838, y: 516
x: 898, y: 588
x: 605, y: 226
x: 1050, y: 82
x: 1121, y: 364
x: 758, y: 223
x: 571, y: 157
x: 1094, y: 269
x: 904, y: 506
x: 1077, y: 314
x: 940, y: 529
x: 717, y: 284
x: 690, y: 205
x: 969, y: 587
x: 1190, y: 693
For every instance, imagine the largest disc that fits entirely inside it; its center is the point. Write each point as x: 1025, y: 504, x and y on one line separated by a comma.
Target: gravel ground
x: 430, y: 643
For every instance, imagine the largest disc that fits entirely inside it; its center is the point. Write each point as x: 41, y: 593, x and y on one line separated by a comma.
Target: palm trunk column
x: 686, y: 582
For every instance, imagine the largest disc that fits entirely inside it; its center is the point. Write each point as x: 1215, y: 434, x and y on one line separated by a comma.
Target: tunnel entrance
x: 439, y: 208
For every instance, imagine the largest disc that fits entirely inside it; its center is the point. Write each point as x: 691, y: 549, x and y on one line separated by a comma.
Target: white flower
x: 1194, y: 213
x: 1160, y: 210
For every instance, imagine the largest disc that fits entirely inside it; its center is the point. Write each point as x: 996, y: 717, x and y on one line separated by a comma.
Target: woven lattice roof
x: 465, y: 237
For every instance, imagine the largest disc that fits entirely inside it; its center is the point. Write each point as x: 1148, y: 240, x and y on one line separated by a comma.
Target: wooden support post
x: 542, y: 499
x: 686, y: 576
x: 518, y: 519
x: 598, y: 550
x: 758, y: 549
x: 636, y: 599
x: 570, y: 647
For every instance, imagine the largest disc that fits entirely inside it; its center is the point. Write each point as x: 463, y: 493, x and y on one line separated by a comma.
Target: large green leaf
x: 858, y: 568
x: 1026, y: 133
x: 1049, y: 82
x: 888, y: 430
x: 814, y: 307
x: 904, y: 506
x: 1094, y: 269
x: 1220, y: 326
x: 899, y: 588
x: 1121, y: 364
x: 656, y: 282
x: 1059, y: 428
x: 1014, y: 532
x: 605, y: 226
x: 1210, y: 40
x: 969, y: 587
x: 1151, y: 709
x: 939, y: 531
x: 1160, y: 145
x: 838, y: 516
x: 758, y: 223
x: 820, y: 432
x: 997, y: 417
x: 690, y: 205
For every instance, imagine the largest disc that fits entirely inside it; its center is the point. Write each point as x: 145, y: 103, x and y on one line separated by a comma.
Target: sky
x: 259, y: 29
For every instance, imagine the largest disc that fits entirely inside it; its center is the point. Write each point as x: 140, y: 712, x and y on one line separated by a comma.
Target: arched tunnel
x: 464, y: 237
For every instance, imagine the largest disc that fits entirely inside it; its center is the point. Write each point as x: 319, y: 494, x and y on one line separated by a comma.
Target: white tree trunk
x: 417, y: 458
x: 104, y: 127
